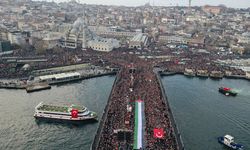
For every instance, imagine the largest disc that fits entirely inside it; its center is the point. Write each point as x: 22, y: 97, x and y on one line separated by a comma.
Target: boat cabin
x: 229, y: 138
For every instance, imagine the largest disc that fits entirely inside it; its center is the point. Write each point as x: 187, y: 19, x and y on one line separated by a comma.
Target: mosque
x: 80, y: 36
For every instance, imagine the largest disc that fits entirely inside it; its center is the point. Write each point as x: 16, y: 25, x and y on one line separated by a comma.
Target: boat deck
x: 59, y: 108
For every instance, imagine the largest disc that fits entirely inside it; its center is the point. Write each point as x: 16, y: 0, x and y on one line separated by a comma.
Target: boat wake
x: 243, y: 125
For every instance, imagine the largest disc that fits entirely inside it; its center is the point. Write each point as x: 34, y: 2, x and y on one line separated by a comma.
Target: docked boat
x: 60, y: 78
x: 189, y: 72
x: 72, y: 112
x: 202, y: 73
x: 216, y: 75
x: 227, y: 91
x: 228, y: 141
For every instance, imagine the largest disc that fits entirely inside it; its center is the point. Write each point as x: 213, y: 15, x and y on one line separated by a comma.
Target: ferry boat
x: 216, y: 75
x: 228, y: 140
x: 72, y: 112
x: 202, y: 73
x: 60, y: 78
x: 189, y: 72
x: 227, y: 91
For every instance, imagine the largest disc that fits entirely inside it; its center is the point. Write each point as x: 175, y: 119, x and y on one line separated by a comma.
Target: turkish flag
x: 176, y: 62
x: 227, y: 89
x: 74, y: 113
x: 158, y: 133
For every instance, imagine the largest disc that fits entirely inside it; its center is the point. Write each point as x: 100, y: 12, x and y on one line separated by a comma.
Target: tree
x: 40, y: 45
x: 247, y: 49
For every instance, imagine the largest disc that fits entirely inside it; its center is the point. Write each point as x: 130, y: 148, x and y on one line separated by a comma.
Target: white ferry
x: 228, y: 140
x: 60, y: 78
x: 67, y: 112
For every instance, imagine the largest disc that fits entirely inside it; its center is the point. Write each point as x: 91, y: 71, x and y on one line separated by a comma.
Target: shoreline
x: 225, y: 76
x: 18, y: 85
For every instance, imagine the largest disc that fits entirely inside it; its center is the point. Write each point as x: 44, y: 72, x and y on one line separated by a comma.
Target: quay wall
x: 83, y: 78
x: 225, y: 76
x: 177, y: 133
x: 23, y: 86
x: 96, y: 140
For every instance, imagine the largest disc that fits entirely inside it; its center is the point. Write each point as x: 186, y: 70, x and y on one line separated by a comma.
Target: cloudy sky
x: 228, y: 3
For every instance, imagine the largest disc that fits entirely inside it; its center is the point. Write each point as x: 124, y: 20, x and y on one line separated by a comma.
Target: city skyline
x: 228, y: 3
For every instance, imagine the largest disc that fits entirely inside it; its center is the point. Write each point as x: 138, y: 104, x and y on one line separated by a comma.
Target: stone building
x: 80, y: 36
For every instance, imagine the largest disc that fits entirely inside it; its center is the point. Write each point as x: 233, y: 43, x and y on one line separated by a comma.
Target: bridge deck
x: 119, y: 114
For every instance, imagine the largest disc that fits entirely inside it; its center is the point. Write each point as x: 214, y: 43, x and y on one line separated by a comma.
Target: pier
x: 52, y: 76
x: 125, y: 124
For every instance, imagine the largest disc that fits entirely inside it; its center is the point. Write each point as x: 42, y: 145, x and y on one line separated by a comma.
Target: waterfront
x: 19, y: 129
x: 202, y: 113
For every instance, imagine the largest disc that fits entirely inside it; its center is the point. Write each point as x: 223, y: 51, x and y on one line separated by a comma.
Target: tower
x: 84, y: 38
x: 189, y: 6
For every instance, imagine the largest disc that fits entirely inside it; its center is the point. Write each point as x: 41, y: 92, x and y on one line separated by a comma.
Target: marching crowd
x: 144, y: 86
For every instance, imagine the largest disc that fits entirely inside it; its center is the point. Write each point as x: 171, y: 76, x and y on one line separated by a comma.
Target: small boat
x: 228, y: 140
x: 227, y: 91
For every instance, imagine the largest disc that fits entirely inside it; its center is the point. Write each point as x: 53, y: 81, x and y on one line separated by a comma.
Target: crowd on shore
x: 179, y: 60
x: 196, y: 62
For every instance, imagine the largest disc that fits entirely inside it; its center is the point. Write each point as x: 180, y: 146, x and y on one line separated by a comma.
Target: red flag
x: 176, y: 62
x: 227, y: 89
x: 158, y: 133
x: 74, y: 113
x: 139, y: 100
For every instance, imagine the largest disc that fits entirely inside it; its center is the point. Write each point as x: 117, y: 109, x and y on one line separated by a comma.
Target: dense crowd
x: 180, y: 59
x: 156, y: 111
x: 198, y: 61
x: 144, y: 84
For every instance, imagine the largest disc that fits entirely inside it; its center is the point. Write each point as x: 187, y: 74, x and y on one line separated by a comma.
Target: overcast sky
x: 228, y: 3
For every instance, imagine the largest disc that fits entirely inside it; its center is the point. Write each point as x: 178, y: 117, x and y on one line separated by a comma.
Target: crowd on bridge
x: 144, y: 84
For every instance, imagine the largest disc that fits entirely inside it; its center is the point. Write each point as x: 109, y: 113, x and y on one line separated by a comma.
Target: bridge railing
x: 177, y: 133
x: 96, y: 140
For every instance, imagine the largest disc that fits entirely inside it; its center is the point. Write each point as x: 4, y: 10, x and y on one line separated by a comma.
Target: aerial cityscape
x: 138, y: 75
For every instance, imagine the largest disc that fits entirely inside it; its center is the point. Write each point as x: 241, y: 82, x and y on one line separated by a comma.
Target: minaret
x: 189, y: 6
x: 84, y: 39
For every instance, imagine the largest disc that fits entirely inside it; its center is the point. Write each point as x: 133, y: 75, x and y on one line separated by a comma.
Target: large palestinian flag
x: 138, y: 130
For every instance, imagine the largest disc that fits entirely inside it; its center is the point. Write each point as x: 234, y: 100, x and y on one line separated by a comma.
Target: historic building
x: 80, y: 36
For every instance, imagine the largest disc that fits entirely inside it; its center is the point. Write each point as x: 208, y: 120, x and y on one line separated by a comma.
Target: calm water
x: 203, y: 114
x: 19, y: 130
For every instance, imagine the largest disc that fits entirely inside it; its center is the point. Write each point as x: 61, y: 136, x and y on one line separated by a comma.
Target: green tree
x: 39, y: 45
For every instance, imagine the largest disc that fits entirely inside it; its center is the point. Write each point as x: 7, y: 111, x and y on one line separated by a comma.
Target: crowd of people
x: 136, y: 80
x: 180, y: 59
x: 116, y: 113
x: 156, y: 110
x: 198, y: 61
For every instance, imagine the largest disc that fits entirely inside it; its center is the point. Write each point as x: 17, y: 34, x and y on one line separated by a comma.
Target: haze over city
x: 228, y: 3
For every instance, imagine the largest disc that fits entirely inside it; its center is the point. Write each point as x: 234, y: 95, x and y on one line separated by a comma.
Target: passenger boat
x: 227, y: 91
x: 189, y: 72
x: 228, y: 140
x: 202, y: 73
x: 216, y: 75
x: 72, y: 112
x: 60, y: 78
